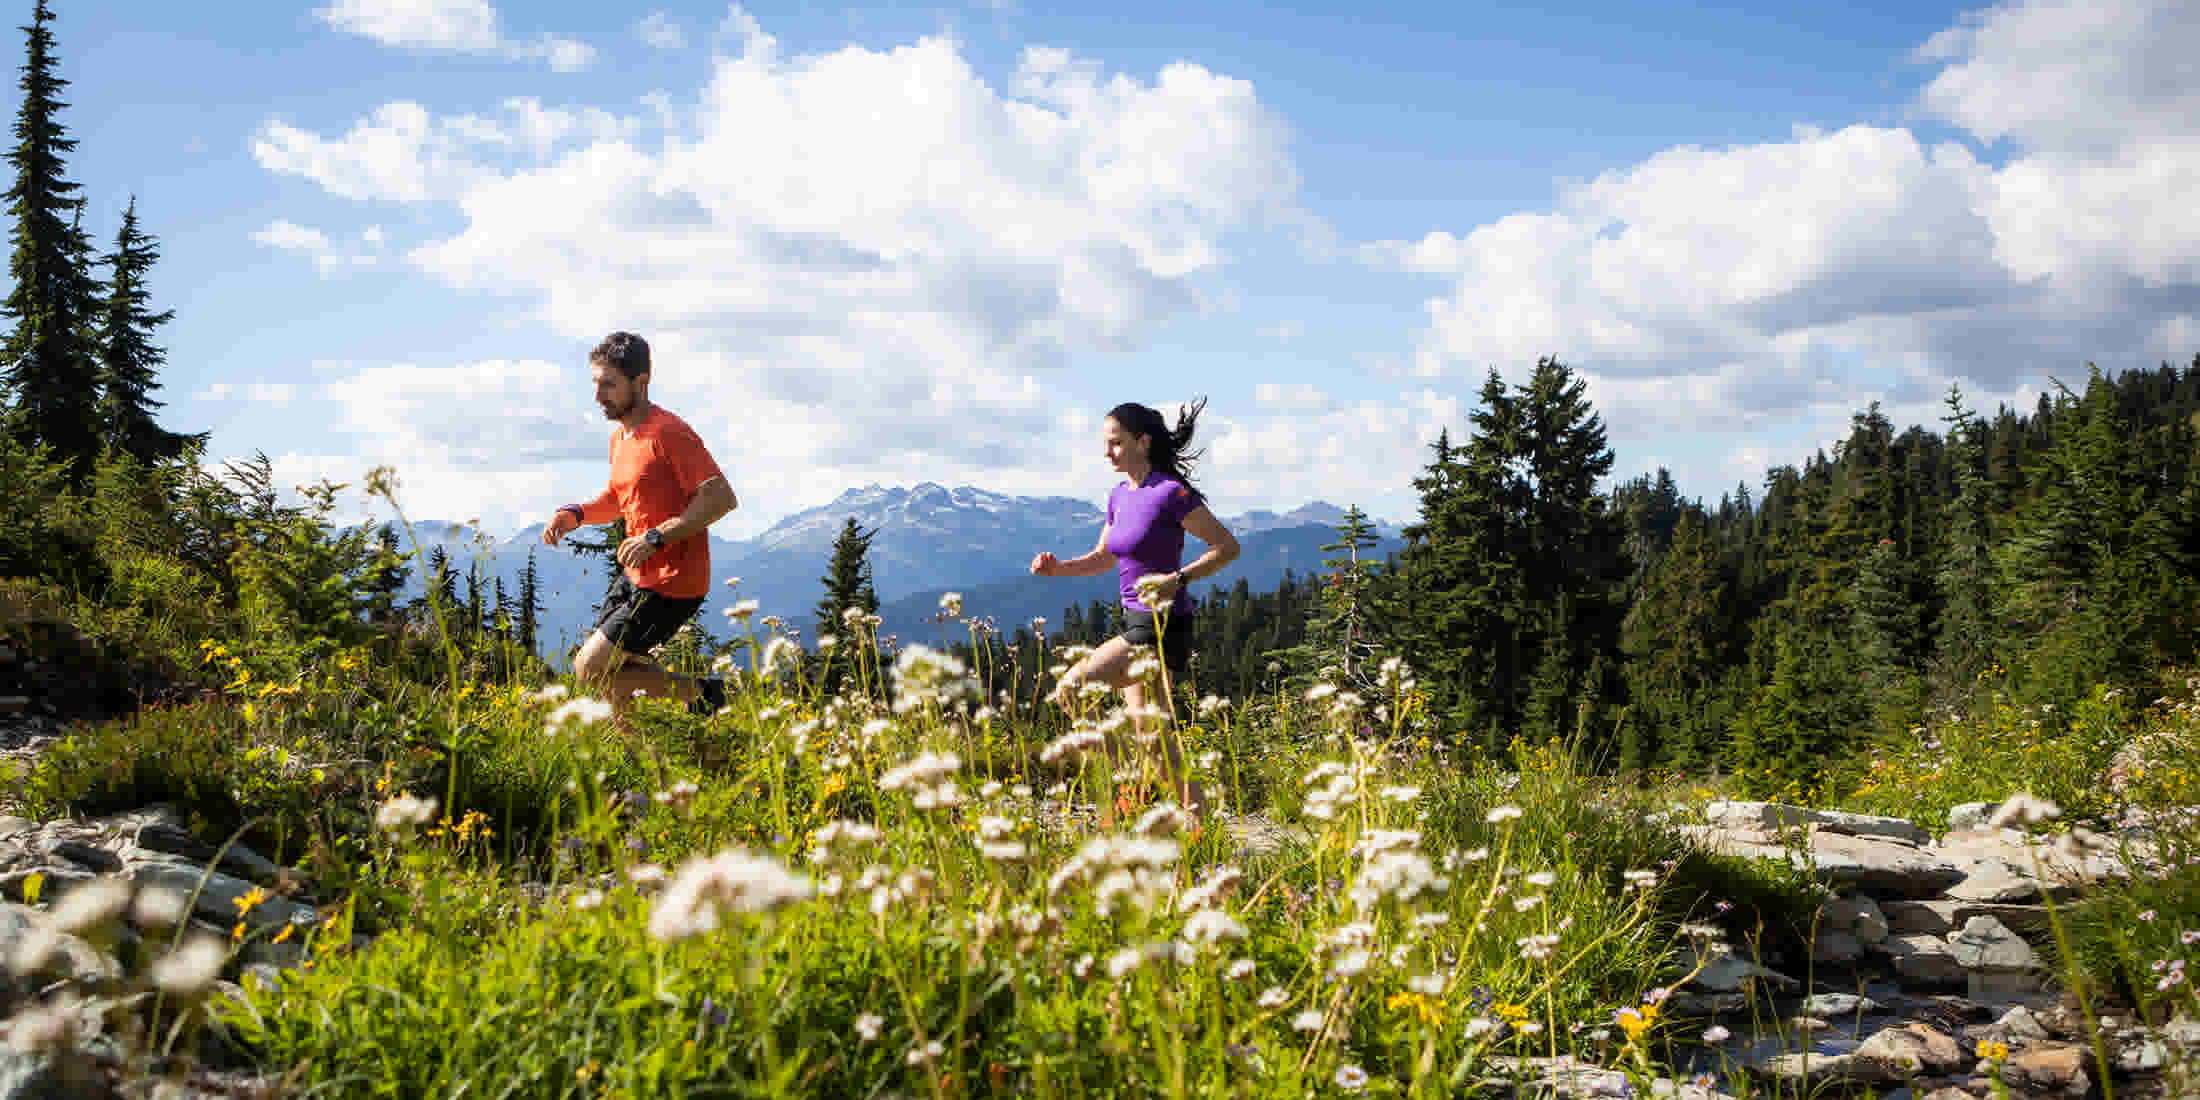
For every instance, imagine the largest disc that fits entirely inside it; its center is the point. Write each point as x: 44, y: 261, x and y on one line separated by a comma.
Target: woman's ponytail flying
x: 1170, y: 451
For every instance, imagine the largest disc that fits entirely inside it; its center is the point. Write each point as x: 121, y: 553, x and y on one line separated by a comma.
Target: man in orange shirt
x: 665, y: 484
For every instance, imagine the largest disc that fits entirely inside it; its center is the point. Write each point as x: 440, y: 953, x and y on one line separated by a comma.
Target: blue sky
x: 933, y: 243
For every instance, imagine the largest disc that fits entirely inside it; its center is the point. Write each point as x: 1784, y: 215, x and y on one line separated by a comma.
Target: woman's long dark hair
x: 1167, y: 450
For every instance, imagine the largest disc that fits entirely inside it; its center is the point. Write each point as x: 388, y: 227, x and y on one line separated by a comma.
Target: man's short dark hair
x: 624, y: 352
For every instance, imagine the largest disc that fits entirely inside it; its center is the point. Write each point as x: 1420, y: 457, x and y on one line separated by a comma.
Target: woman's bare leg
x: 1110, y: 664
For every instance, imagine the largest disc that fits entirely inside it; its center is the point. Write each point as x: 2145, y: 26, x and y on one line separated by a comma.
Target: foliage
x: 847, y: 582
x: 51, y: 373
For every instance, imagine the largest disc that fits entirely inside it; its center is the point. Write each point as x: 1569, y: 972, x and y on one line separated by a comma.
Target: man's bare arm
x: 712, y: 500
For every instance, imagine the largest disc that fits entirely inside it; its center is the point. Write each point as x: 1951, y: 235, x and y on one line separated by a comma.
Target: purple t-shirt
x: 1146, y: 534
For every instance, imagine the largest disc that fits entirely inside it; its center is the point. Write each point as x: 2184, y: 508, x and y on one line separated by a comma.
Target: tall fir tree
x: 1964, y: 633
x: 129, y: 360
x: 847, y: 582
x: 530, y: 605
x: 51, y: 376
x: 1339, y: 634
x: 1674, y: 637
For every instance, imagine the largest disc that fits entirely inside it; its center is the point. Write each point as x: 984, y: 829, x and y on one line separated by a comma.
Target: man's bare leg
x: 603, y: 667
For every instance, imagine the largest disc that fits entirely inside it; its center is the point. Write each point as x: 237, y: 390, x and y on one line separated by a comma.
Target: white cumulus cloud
x: 462, y: 26
x: 1726, y: 286
x: 859, y: 263
x: 657, y: 29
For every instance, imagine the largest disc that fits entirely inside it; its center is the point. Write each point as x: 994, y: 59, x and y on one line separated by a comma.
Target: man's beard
x: 618, y: 412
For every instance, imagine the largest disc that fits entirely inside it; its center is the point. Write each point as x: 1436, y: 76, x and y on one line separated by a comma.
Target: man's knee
x: 597, y: 659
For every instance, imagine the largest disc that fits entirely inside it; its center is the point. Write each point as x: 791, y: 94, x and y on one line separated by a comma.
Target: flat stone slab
x: 1924, y: 959
x: 1882, y: 868
x: 1761, y: 816
x: 217, y: 902
x: 1735, y: 974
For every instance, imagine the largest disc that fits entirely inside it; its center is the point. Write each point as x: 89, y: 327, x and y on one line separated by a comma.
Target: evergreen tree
x: 441, y: 586
x: 530, y: 606
x: 847, y: 582
x: 1339, y: 634
x: 1965, y: 630
x: 51, y: 376
x: 128, y: 358
x: 1674, y: 639
x: 386, y: 578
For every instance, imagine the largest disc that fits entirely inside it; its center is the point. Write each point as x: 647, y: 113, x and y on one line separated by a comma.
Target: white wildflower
x: 1211, y: 926
x: 190, y: 968
x: 406, y: 812
x: 2023, y: 809
x: 732, y: 879
x: 91, y: 905
x: 577, y: 711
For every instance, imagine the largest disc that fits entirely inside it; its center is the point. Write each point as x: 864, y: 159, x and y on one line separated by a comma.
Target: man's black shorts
x: 638, y: 620
x: 1175, y: 645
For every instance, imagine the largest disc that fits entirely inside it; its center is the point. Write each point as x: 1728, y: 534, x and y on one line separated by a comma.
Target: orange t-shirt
x: 654, y: 473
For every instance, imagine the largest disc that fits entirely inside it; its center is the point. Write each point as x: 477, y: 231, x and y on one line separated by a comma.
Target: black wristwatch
x: 655, y: 538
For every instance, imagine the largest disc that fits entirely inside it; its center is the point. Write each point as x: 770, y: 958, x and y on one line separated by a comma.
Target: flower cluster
x: 733, y: 879
x: 930, y: 779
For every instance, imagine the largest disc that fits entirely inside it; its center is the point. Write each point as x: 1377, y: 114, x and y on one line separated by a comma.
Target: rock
x: 1987, y: 944
x: 1942, y: 1053
x: 11, y: 826
x: 2182, y: 1031
x: 1918, y: 917
x: 1827, y: 1006
x: 2142, y: 1055
x: 1836, y: 947
x: 1941, y: 916
x: 2057, y: 872
x: 1999, y: 987
x: 1924, y: 959
x: 53, y: 882
x: 1762, y: 816
x: 1690, y: 1004
x: 1882, y: 868
x: 1857, y: 915
x: 1804, y: 1067
x: 1950, y: 1093
x: 88, y: 855
x: 161, y: 836
x: 30, y: 945
x: 1970, y: 815
x: 1891, y: 1054
x: 1995, y: 880
x: 1731, y: 973
x: 217, y: 901
x: 2014, y: 1026
x: 2056, y: 1068
x: 59, y: 1075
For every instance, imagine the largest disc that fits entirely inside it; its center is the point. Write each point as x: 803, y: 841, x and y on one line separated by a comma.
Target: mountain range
x: 930, y: 540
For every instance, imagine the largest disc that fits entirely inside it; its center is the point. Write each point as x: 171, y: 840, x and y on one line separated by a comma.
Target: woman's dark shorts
x: 638, y: 620
x: 1175, y: 647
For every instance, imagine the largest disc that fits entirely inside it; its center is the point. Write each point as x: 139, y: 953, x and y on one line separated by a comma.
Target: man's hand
x: 634, y: 551
x: 561, y: 521
x: 1043, y: 565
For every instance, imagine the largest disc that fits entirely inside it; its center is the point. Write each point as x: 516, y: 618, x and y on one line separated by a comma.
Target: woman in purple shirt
x: 1148, y: 515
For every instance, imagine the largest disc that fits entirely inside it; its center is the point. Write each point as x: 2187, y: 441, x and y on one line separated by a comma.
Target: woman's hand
x: 1044, y: 564
x: 1157, y: 589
